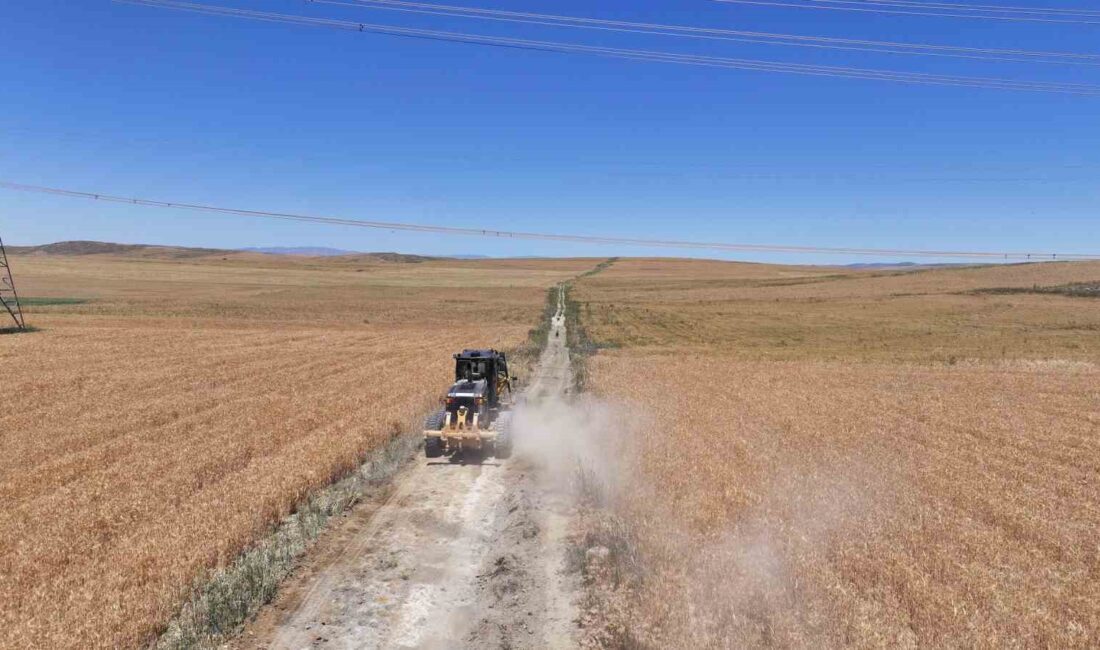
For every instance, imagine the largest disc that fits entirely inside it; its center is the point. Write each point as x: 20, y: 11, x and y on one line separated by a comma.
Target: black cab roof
x: 465, y: 388
x: 479, y: 354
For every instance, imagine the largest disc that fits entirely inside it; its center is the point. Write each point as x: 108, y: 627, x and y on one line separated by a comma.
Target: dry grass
x: 861, y: 460
x: 757, y: 311
x: 155, y: 431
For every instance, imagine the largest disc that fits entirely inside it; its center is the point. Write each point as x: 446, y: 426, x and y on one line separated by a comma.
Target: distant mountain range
x: 881, y: 265
x: 69, y: 248
x: 108, y: 248
x: 322, y: 251
x: 903, y: 265
x: 311, y: 251
x: 73, y: 248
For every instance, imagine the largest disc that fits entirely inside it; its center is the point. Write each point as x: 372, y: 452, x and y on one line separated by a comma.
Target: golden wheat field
x: 757, y: 311
x: 154, y: 430
x: 848, y: 458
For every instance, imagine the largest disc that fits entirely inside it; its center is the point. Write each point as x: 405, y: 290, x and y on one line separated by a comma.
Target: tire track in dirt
x: 462, y: 553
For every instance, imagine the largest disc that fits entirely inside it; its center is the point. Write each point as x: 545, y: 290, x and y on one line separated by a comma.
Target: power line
x: 743, y: 36
x: 960, y: 6
x: 579, y: 239
x: 640, y: 55
x: 934, y: 12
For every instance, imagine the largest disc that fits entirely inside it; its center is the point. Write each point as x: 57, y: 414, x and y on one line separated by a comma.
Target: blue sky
x: 146, y: 102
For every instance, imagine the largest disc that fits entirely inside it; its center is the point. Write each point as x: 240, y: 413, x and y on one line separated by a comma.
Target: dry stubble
x: 154, y: 432
x: 863, y: 460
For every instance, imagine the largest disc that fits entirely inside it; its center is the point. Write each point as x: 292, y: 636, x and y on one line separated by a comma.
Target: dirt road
x: 460, y: 554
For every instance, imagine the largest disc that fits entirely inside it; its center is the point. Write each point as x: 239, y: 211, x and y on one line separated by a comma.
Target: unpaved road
x: 460, y: 554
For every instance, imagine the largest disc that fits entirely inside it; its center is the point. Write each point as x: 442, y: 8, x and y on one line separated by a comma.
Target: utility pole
x: 9, y: 299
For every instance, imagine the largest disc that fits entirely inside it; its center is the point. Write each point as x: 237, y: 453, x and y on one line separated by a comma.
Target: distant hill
x: 881, y: 265
x: 310, y: 251
x: 905, y: 265
x: 322, y: 251
x: 398, y: 258
x: 75, y: 248
x: 108, y: 248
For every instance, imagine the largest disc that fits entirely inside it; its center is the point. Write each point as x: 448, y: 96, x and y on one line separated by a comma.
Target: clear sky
x: 154, y: 103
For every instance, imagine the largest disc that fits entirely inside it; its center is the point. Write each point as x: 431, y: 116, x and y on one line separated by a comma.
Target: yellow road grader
x: 475, y: 416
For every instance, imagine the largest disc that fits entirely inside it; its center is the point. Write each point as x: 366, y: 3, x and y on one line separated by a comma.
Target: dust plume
x: 756, y: 579
x: 580, y: 442
x: 662, y: 568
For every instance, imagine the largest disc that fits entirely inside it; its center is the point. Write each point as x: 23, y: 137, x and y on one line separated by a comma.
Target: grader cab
x: 475, y: 416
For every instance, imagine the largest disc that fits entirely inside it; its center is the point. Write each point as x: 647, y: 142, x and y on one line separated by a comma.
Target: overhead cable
x: 966, y: 6
x: 741, y: 36
x: 577, y: 239
x: 1078, y: 18
x: 640, y: 55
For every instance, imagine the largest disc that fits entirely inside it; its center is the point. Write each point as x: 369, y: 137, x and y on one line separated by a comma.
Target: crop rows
x: 785, y: 493
x: 154, y: 432
x: 825, y: 505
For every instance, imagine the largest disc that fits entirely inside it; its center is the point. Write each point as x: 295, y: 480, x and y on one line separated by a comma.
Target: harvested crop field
x: 171, y: 410
x: 848, y: 458
x: 757, y: 311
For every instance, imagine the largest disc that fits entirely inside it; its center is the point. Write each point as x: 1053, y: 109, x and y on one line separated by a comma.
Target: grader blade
x: 475, y: 415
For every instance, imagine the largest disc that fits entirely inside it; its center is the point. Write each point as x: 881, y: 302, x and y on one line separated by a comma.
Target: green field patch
x: 15, y: 330
x: 1076, y: 290
x: 35, y: 301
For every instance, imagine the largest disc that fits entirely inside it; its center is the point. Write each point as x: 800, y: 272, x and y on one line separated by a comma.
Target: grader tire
x: 434, y: 422
x: 433, y: 447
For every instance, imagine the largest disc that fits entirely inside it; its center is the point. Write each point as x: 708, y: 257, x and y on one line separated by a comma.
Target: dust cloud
x: 765, y: 578
x: 575, y: 440
x: 689, y: 567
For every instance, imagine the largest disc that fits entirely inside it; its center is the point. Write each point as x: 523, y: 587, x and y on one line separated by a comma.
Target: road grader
x: 475, y: 415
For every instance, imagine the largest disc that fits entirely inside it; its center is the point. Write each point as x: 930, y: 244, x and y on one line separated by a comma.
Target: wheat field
x: 757, y: 311
x: 169, y: 411
x: 837, y: 458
